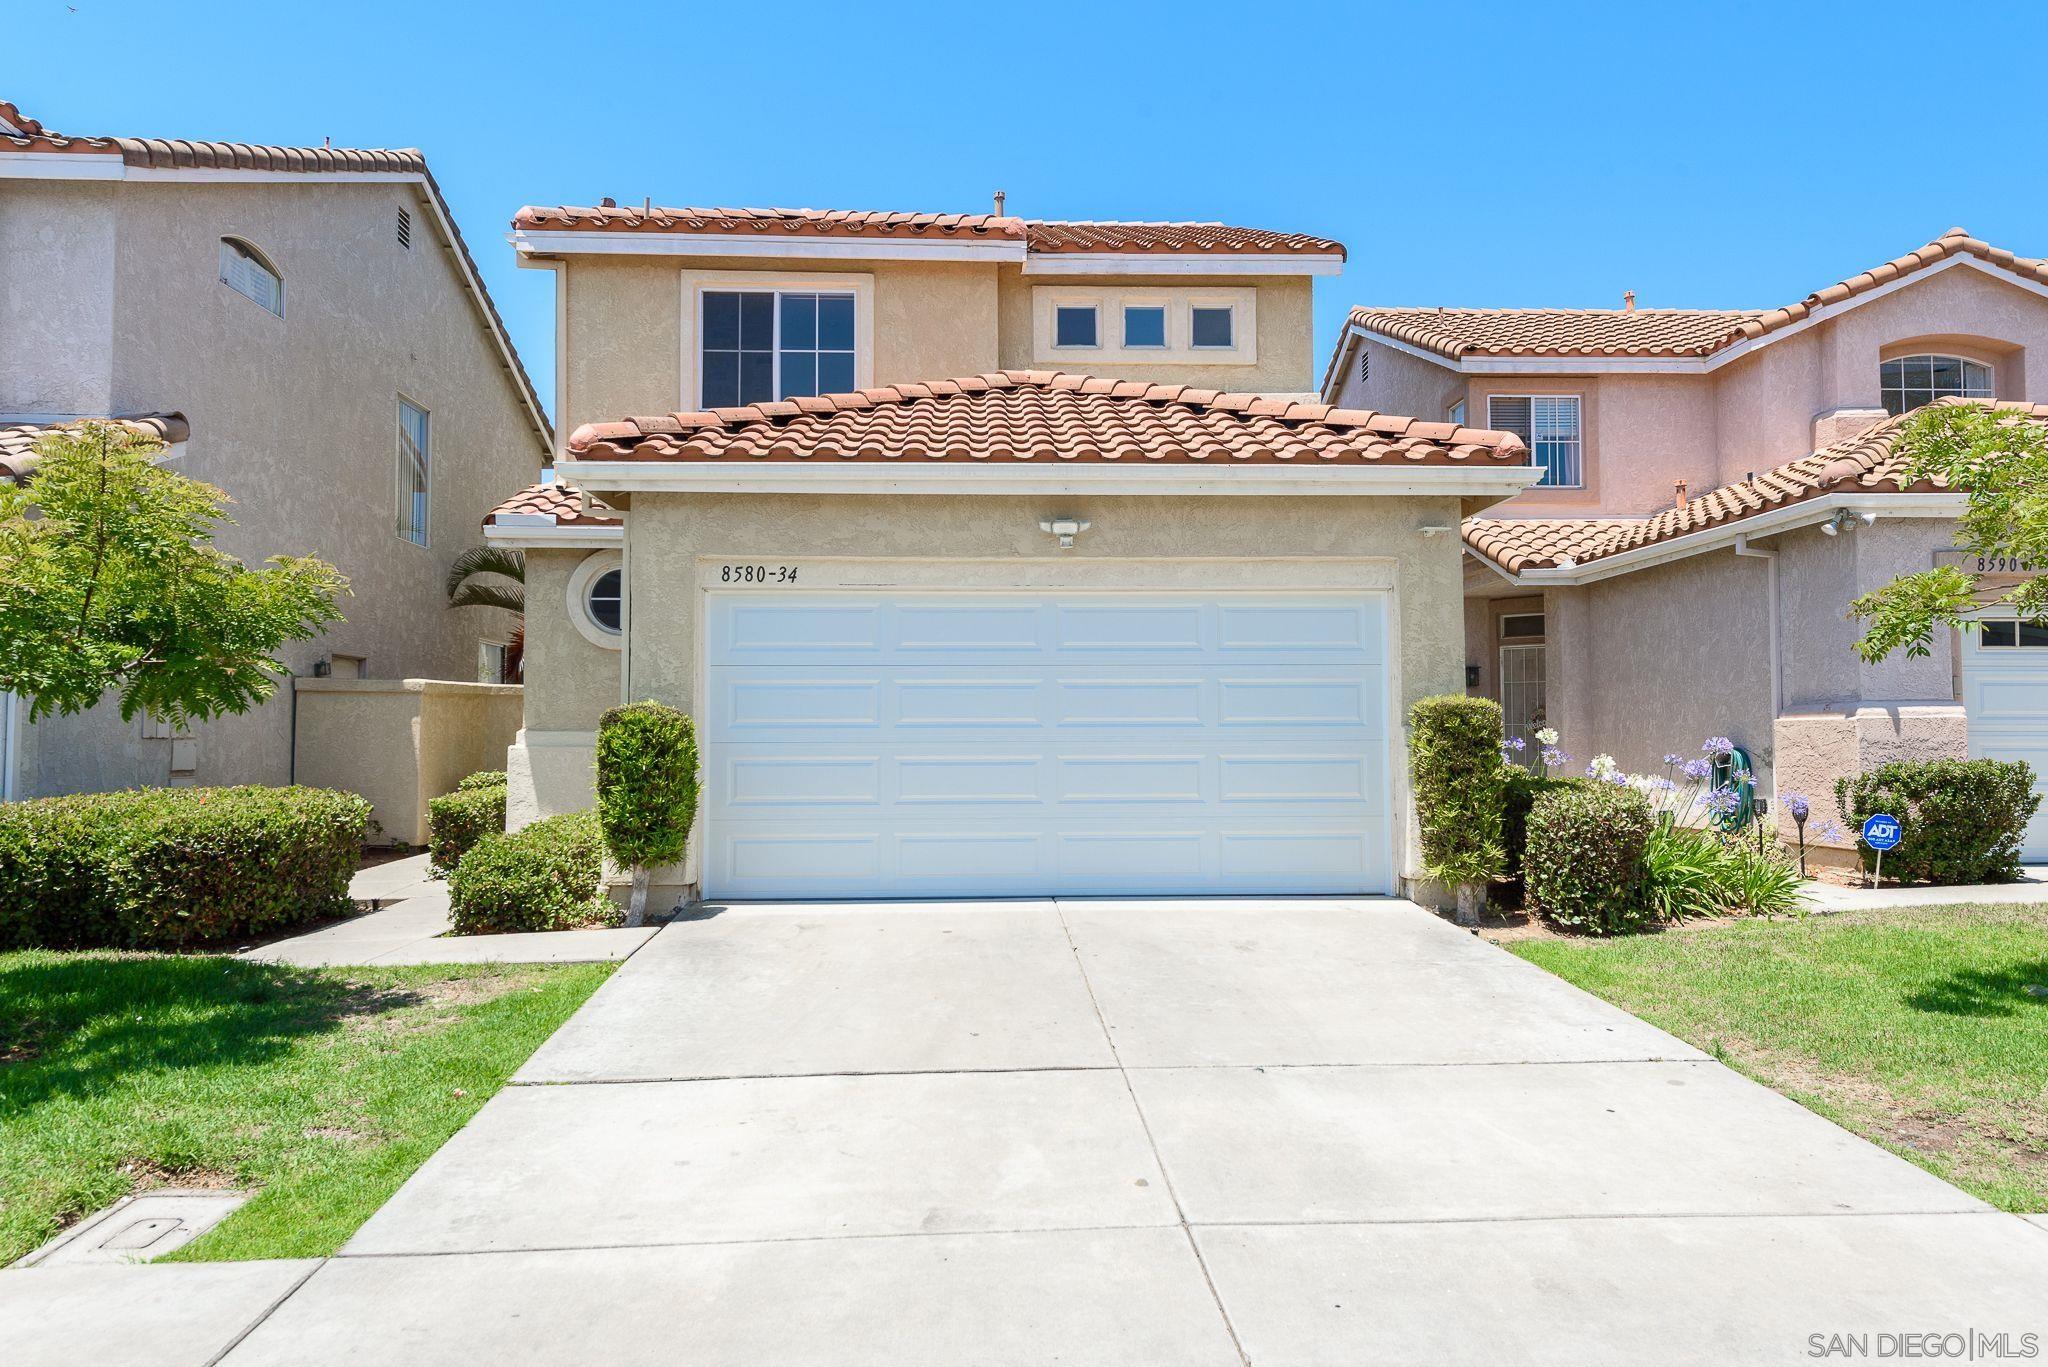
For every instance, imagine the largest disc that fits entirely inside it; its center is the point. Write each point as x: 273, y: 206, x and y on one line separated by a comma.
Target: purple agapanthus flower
x: 1797, y: 807
x: 1556, y: 758
x: 1663, y: 785
x: 1514, y: 743
x: 1696, y: 769
x: 1718, y: 746
x: 1674, y: 759
x: 1724, y: 800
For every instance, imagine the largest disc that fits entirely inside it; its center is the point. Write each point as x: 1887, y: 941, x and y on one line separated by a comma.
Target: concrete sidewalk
x: 2031, y: 887
x: 1279, y: 1132
x: 412, y: 928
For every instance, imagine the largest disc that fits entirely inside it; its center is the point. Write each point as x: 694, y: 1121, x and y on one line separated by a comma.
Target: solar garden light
x: 1796, y: 805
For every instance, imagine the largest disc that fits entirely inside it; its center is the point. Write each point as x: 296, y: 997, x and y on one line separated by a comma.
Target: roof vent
x: 1678, y: 499
x: 607, y: 203
x: 405, y: 228
x: 1628, y: 301
x: 1364, y: 366
x: 1001, y: 200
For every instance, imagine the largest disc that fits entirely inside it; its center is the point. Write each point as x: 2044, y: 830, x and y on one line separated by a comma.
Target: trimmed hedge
x: 1519, y: 796
x: 1585, y: 857
x: 456, y: 821
x: 1459, y: 777
x: 646, y: 790
x: 547, y: 876
x: 1965, y: 818
x: 483, y: 778
x: 163, y: 868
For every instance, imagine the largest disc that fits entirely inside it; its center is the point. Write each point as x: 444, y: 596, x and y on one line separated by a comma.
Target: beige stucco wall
x: 294, y: 417
x: 1205, y: 542
x: 1401, y: 383
x: 57, y: 297
x: 402, y: 742
x: 1286, y: 330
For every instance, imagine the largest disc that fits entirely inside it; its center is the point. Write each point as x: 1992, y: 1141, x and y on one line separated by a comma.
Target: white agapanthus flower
x: 1546, y: 735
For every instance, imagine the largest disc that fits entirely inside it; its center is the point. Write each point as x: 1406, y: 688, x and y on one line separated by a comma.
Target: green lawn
x: 1923, y: 1029
x: 321, y: 1088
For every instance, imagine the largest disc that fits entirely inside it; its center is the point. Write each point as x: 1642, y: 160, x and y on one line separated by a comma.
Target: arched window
x: 244, y: 270
x: 1909, y: 381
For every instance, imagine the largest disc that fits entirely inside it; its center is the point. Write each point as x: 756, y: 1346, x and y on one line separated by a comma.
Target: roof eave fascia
x: 832, y: 477
x: 570, y: 242
x: 1183, y: 263
x: 1806, y: 513
x: 553, y: 537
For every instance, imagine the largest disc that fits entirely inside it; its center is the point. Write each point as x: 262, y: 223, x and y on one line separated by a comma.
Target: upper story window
x: 757, y: 346
x: 245, y: 272
x: 1074, y: 325
x: 1456, y: 413
x: 414, y: 462
x: 1908, y: 382
x: 1549, y: 423
x: 1144, y: 325
x: 2012, y: 635
x: 1212, y: 326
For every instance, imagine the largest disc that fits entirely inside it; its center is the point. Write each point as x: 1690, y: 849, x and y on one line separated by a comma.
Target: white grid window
x: 1909, y: 382
x: 757, y: 346
x: 1549, y: 425
x: 250, y: 276
x: 414, y: 460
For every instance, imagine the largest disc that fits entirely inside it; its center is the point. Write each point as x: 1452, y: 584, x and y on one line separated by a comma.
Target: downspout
x: 1770, y: 559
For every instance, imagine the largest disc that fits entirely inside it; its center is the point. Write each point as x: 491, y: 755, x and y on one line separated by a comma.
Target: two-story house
x: 1718, y: 486
x: 992, y: 556
x: 306, y: 329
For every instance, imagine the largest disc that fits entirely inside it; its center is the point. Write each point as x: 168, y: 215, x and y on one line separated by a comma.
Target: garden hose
x: 1734, y: 770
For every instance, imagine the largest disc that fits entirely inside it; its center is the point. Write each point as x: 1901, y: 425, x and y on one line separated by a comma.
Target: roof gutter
x: 1806, y: 513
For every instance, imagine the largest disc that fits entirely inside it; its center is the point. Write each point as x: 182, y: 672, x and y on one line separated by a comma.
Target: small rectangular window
x: 1144, y: 325
x: 2011, y: 635
x: 1211, y: 327
x: 1074, y: 325
x: 414, y: 463
x: 755, y: 346
x: 1549, y: 425
x: 1521, y: 625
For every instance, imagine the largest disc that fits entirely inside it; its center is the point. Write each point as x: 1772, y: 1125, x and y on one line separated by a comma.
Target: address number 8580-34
x: 757, y: 574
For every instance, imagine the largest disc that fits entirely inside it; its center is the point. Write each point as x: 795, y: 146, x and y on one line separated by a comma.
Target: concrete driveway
x: 1293, y: 1132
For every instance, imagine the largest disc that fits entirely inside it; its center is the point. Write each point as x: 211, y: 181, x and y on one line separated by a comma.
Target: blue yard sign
x: 1881, y: 832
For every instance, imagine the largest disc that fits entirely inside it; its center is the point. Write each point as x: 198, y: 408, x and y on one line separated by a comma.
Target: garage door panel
x: 2005, y: 693
x: 1082, y: 743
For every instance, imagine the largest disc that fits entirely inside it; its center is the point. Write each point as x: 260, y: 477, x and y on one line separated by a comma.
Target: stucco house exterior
x: 992, y: 556
x: 220, y: 294
x: 1718, y: 485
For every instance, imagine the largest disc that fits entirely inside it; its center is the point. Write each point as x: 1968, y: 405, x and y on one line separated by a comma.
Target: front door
x: 1521, y: 696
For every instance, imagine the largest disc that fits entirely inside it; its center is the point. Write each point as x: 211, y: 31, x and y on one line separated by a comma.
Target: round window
x: 601, y: 600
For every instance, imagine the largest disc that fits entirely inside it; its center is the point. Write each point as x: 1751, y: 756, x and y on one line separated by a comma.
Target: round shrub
x: 1460, y: 780
x: 1585, y: 858
x: 546, y: 876
x: 1966, y: 819
x: 456, y: 821
x: 484, y: 778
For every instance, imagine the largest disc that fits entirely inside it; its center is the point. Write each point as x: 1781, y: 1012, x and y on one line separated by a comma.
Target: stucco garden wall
x: 401, y: 742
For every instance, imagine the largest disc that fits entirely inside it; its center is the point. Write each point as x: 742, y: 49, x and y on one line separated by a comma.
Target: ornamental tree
x: 646, y: 790
x: 1998, y: 458
x: 110, y: 583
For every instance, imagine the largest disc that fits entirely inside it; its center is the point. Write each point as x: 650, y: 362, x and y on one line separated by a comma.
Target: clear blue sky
x: 1723, y: 155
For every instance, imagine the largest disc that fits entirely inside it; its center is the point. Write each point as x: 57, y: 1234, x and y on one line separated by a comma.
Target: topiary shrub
x: 483, y: 778
x: 1460, y: 782
x: 1965, y: 819
x: 456, y: 821
x: 1585, y: 858
x: 646, y: 790
x: 164, y: 868
x: 547, y: 876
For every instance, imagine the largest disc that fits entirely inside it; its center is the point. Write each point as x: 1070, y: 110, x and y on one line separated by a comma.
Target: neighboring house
x: 311, y: 335
x: 1021, y: 632
x: 1718, y: 486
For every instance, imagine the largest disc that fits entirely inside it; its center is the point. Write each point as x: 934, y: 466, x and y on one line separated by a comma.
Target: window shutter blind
x: 1506, y: 414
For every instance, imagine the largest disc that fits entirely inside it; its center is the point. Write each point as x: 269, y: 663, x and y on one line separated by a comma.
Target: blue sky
x: 1725, y: 155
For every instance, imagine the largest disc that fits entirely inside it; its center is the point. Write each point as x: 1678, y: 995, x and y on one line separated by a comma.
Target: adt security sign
x: 1881, y: 832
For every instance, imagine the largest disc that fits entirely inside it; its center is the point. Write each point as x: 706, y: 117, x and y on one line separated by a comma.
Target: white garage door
x: 1025, y: 744
x: 2005, y: 693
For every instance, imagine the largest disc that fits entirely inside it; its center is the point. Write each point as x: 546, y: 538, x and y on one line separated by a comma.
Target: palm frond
x: 496, y: 560
x: 511, y: 597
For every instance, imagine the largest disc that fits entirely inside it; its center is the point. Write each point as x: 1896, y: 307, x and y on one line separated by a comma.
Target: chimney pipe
x: 1678, y: 498
x: 1001, y: 199
x: 1628, y: 301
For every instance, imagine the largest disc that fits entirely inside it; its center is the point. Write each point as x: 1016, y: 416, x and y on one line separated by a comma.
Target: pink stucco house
x: 1720, y: 483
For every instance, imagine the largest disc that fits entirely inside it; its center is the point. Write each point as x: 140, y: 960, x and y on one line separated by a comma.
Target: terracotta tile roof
x: 565, y: 503
x: 1041, y: 415
x: 179, y: 153
x: 1869, y: 463
x: 18, y: 439
x: 1457, y: 333
x: 1036, y: 235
